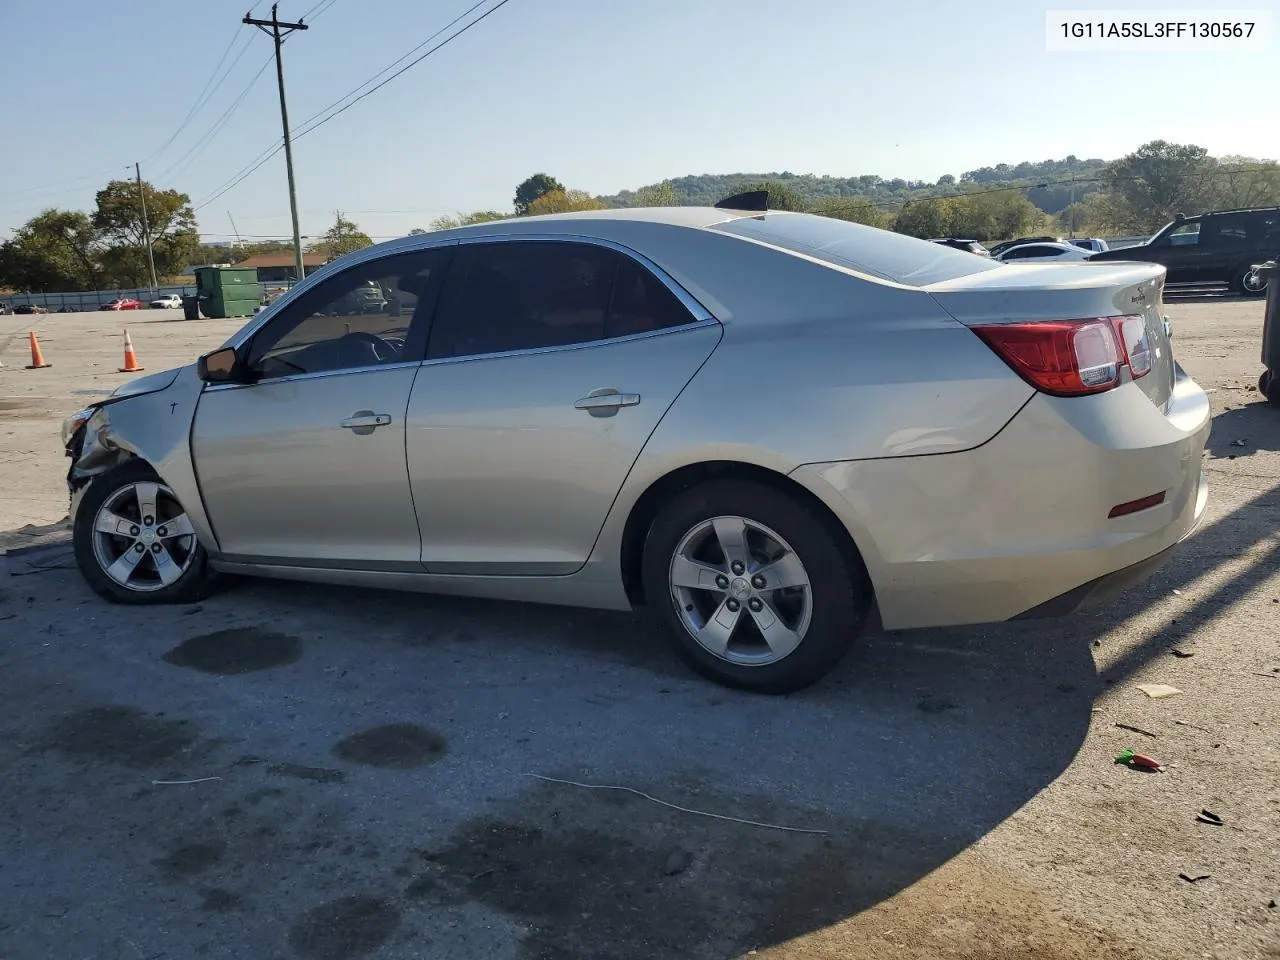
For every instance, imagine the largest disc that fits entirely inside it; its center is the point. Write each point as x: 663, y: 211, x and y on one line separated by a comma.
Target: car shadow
x: 1245, y: 430
x: 791, y: 813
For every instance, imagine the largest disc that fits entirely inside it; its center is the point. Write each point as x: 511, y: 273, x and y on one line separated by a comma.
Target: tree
x: 532, y: 189
x: 56, y: 250
x: 563, y: 201
x: 1161, y: 179
x: 781, y: 196
x: 416, y: 232
x: 946, y: 180
x: 924, y: 218
x: 118, y: 220
x: 342, y: 238
x: 855, y: 210
x: 657, y: 195
x: 467, y: 219
x: 1241, y: 182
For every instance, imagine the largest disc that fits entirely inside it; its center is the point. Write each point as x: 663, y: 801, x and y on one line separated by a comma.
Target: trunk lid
x: 1021, y: 293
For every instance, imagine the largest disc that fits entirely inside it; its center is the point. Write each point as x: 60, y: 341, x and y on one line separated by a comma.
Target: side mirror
x: 221, y: 366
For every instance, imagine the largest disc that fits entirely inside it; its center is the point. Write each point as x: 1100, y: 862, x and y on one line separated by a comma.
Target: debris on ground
x: 1133, y: 729
x: 1182, y: 654
x: 1194, y: 878
x: 1158, y: 691
x: 1271, y: 905
x: 678, y: 862
x: 1138, y: 761
x: 1239, y: 443
x: 1193, y: 726
x: 1209, y: 817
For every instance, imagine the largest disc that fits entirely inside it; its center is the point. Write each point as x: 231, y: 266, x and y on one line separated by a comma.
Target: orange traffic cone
x: 131, y: 364
x: 37, y: 358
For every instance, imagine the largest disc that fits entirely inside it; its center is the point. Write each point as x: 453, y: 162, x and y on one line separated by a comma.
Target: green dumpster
x: 227, y: 291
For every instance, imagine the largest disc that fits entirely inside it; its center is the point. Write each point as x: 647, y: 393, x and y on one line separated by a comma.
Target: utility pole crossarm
x: 274, y: 31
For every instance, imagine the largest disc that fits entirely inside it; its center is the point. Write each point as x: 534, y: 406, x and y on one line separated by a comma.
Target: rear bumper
x: 1019, y: 526
x: 1098, y: 591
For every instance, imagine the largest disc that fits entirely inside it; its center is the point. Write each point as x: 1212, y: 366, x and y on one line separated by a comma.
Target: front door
x: 550, y: 364
x: 306, y: 465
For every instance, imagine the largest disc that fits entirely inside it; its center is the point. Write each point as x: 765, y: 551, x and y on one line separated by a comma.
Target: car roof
x: 1052, y: 244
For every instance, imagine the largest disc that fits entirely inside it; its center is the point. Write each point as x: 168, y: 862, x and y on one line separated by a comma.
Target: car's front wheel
x: 758, y: 591
x: 134, y: 542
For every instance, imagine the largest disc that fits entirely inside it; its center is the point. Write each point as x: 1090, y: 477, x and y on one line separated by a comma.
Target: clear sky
x: 603, y: 94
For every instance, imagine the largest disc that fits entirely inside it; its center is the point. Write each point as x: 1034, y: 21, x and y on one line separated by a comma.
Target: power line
x: 494, y: 9
x: 200, y: 145
x: 205, y: 93
x: 262, y: 158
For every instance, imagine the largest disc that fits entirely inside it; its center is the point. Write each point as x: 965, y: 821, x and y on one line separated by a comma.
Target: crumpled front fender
x: 154, y: 426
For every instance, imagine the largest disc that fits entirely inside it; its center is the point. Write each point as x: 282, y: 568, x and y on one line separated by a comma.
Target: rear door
x: 549, y: 365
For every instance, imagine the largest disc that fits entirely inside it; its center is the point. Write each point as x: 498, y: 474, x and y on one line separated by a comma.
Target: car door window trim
x: 295, y: 377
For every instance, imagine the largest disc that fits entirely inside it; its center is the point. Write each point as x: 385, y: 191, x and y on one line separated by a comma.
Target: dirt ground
x: 327, y: 774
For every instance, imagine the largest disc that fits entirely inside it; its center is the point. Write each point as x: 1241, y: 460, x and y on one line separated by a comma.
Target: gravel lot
x: 367, y: 764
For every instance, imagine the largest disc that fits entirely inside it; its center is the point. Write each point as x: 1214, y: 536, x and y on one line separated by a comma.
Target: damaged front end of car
x: 91, y: 441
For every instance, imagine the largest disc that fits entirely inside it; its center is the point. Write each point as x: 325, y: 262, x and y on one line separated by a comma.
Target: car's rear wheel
x: 134, y: 542
x: 1269, y: 387
x: 758, y: 592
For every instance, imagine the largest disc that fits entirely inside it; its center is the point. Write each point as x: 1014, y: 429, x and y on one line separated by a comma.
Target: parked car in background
x: 968, y: 246
x: 122, y: 303
x: 1219, y: 247
x: 66, y: 309
x: 5, y: 309
x: 170, y: 301
x: 550, y: 414
x: 30, y: 308
x: 1040, y: 252
x: 1092, y: 244
x: 999, y: 248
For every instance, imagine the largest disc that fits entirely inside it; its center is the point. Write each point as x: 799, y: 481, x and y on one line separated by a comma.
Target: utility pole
x: 275, y: 33
x: 146, y: 230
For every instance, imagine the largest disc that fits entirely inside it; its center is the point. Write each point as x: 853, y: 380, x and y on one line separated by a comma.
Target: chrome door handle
x: 363, y: 421
x: 605, y: 403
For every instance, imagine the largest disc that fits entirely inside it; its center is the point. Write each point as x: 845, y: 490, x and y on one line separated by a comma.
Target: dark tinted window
x: 522, y: 296
x: 361, y: 317
x: 880, y: 253
x: 641, y: 303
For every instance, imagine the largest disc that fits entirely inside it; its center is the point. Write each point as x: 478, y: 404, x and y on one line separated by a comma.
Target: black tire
x: 1269, y: 384
x: 839, y: 587
x: 195, y: 583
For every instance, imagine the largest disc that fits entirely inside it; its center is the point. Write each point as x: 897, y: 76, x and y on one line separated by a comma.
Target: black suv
x: 1218, y: 247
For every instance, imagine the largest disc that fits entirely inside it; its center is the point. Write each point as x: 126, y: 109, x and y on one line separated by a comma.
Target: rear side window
x: 529, y: 295
x: 890, y: 256
x: 641, y: 303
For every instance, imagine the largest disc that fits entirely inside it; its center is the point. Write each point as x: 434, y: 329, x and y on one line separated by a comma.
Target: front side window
x: 529, y: 295
x: 362, y: 317
x: 1185, y: 235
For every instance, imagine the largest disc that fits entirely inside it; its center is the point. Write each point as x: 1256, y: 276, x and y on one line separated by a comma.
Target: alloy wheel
x: 142, y: 539
x: 740, y: 590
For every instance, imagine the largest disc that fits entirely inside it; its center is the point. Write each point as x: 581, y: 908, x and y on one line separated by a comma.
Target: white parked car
x: 1092, y: 244
x: 1042, y: 252
x: 168, y: 301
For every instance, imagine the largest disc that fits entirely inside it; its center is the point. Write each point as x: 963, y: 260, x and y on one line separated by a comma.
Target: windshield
x: 889, y: 256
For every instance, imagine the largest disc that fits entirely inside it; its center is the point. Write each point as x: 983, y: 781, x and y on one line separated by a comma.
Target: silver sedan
x: 755, y: 424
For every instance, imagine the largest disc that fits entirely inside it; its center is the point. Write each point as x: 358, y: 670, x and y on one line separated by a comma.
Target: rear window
x: 889, y: 256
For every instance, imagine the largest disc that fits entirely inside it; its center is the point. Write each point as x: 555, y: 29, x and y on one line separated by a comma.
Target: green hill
x: 707, y: 188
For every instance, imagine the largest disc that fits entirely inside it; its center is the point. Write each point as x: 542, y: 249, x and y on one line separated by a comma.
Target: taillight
x: 1071, y: 358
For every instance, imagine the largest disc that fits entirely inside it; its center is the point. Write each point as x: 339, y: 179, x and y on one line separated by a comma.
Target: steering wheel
x: 381, y: 350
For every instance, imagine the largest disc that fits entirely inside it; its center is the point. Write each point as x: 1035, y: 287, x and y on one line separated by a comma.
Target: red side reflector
x: 1135, y: 506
